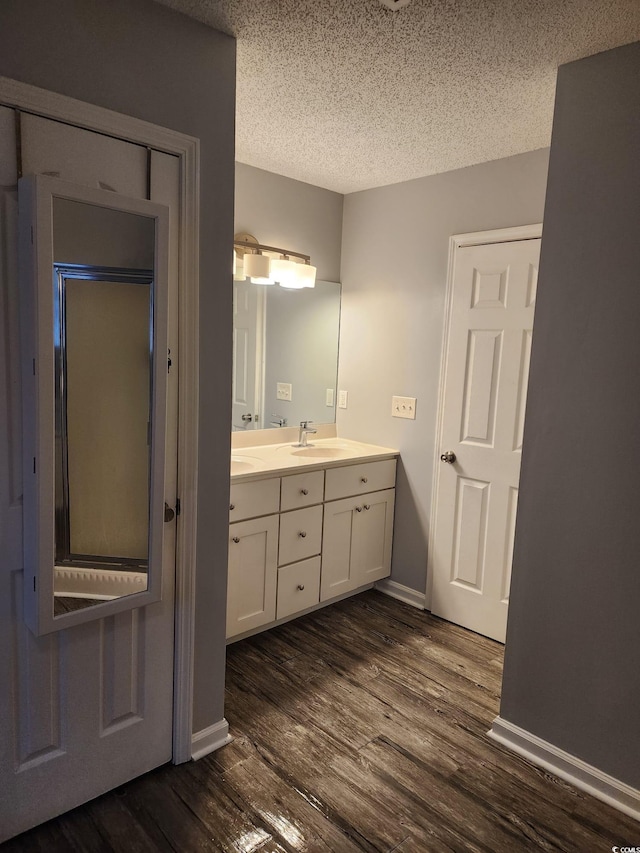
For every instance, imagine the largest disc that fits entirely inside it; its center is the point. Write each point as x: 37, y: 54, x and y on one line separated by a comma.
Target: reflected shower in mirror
x: 94, y: 321
x: 285, y: 345
x: 103, y: 328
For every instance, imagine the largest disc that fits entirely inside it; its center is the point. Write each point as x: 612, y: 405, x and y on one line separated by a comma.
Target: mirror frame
x: 36, y: 194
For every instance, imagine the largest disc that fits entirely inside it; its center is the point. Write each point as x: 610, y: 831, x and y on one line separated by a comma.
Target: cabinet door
x: 337, y: 545
x: 371, y: 554
x: 356, y: 545
x: 253, y: 574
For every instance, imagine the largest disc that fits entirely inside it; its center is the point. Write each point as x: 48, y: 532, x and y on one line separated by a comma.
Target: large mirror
x: 94, y: 331
x: 285, y: 363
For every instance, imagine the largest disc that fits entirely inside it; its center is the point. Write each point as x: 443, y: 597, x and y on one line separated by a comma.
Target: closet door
x: 90, y: 707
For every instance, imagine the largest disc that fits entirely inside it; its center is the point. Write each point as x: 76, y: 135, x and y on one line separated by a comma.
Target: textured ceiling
x: 346, y: 94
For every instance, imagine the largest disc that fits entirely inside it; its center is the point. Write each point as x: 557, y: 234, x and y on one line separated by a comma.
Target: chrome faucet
x: 305, y: 430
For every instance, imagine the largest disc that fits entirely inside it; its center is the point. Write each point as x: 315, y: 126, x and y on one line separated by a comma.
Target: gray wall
x: 394, y: 269
x: 292, y: 215
x: 572, y: 655
x: 142, y: 59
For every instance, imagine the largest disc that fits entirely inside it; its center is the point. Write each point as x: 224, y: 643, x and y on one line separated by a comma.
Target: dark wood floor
x: 361, y: 727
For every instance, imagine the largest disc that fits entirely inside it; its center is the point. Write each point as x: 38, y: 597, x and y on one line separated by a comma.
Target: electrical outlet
x: 284, y: 391
x: 330, y: 397
x: 342, y: 399
x: 403, y: 407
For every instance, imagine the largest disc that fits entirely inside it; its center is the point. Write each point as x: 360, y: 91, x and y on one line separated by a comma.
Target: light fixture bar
x: 246, y: 244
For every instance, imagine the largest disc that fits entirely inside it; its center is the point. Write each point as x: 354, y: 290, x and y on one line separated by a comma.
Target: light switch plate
x: 342, y: 399
x: 330, y: 397
x: 403, y: 407
x: 283, y: 391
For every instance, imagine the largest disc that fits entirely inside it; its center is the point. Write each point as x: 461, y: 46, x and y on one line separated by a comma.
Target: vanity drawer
x: 249, y: 500
x: 302, y: 490
x: 358, y: 479
x: 300, y: 534
x: 298, y: 587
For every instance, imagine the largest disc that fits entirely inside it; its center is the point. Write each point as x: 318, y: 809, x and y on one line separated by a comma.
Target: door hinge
x: 177, y: 506
x: 168, y: 361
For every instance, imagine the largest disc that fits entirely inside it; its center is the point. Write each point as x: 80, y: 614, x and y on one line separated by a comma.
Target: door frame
x: 459, y: 241
x: 32, y: 99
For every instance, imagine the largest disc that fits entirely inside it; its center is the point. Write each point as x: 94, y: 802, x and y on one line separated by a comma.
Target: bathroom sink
x: 320, y: 452
x: 243, y: 464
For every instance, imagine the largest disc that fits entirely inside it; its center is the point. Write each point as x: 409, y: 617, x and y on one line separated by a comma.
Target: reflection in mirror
x: 94, y: 287
x: 103, y: 322
x: 285, y: 354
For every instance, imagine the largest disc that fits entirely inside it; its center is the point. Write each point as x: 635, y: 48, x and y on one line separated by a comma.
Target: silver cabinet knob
x: 364, y: 479
x: 231, y: 507
x: 236, y: 539
x: 302, y: 534
x: 358, y: 509
x: 367, y: 506
x: 449, y: 456
x: 300, y: 586
x: 304, y: 491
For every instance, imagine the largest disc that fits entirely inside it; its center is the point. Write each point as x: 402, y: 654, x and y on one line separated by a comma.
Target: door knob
x: 169, y: 513
x: 449, y: 456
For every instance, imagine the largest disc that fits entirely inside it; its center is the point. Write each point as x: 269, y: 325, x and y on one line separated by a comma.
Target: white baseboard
x: 401, y: 592
x: 209, y: 739
x: 573, y: 770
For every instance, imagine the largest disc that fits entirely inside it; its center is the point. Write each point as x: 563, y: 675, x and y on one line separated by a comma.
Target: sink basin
x: 243, y: 464
x: 320, y: 452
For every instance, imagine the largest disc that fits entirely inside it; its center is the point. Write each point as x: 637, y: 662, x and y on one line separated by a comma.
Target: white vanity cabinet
x: 358, y: 530
x: 303, y: 539
x: 252, y: 579
x: 253, y: 574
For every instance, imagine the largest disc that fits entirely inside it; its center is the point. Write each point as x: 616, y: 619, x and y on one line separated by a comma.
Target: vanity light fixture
x: 258, y: 268
x: 261, y: 268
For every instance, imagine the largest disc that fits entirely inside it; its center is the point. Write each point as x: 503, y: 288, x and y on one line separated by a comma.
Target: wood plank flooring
x: 361, y: 727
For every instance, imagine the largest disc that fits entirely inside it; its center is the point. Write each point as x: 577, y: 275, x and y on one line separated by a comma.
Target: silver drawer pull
x: 304, y: 491
x: 358, y: 509
x: 300, y: 586
x: 231, y: 507
x: 364, y: 479
x: 302, y: 534
x: 236, y: 539
x: 367, y: 506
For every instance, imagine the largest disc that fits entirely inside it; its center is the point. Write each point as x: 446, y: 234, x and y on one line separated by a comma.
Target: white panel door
x: 85, y: 709
x: 248, y: 320
x: 487, y: 366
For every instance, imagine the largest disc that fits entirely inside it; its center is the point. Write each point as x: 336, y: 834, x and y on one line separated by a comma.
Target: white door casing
x: 491, y: 301
x: 54, y: 697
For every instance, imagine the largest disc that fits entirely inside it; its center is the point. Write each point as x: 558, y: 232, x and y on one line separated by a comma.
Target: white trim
x: 573, y: 770
x: 29, y: 98
x: 209, y: 739
x: 401, y: 592
x: 459, y: 241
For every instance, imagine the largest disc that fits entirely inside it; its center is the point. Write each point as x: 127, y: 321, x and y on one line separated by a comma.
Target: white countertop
x: 248, y: 463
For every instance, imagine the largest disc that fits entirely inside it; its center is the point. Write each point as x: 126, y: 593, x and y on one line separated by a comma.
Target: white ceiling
x: 346, y: 94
